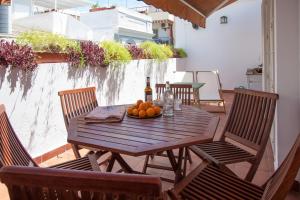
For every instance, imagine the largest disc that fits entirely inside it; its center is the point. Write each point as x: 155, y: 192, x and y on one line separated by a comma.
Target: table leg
x: 178, y: 173
x: 123, y: 163
x: 196, y: 93
x: 176, y: 165
x: 111, y: 163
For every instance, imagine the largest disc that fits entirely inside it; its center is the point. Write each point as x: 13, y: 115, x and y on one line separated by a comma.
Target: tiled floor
x: 264, y: 172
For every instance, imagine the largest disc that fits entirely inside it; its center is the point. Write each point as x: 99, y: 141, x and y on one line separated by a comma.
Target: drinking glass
x: 177, y: 104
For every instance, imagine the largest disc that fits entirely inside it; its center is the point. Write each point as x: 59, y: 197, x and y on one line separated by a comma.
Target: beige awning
x: 195, y: 11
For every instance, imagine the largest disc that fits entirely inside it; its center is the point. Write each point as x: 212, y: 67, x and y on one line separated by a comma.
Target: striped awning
x: 195, y: 11
x: 5, y: 2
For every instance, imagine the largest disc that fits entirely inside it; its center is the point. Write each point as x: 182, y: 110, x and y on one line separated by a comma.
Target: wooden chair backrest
x: 160, y: 89
x: 48, y: 184
x: 77, y: 102
x: 12, y: 151
x: 181, y: 91
x: 278, y: 186
x: 251, y: 117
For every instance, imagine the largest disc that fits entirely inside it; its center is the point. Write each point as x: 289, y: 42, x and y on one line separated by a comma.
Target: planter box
x: 101, y: 9
x: 46, y: 57
x: 181, y: 64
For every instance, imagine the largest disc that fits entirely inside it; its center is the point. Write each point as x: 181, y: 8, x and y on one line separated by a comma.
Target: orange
x: 138, y: 103
x: 142, y: 114
x: 157, y: 109
x: 150, y: 112
x: 143, y: 106
x: 130, y: 111
x: 149, y: 104
x: 135, y: 112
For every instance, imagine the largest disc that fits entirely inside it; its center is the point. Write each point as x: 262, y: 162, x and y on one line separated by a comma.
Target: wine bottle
x: 148, y: 90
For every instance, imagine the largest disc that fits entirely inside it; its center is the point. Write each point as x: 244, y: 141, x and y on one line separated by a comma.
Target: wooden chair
x: 249, y: 124
x: 181, y: 91
x: 210, y: 182
x: 28, y: 183
x: 12, y: 151
x: 77, y: 102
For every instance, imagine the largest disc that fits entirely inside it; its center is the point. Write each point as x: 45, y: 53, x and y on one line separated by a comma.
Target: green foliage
x: 156, y: 51
x: 115, y: 52
x: 46, y: 42
x: 96, y: 5
x: 167, y: 50
x: 180, y: 52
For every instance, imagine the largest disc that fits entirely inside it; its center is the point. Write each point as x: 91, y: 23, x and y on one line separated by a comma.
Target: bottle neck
x: 148, y: 82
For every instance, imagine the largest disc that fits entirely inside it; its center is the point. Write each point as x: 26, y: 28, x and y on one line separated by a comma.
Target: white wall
x: 231, y: 48
x: 21, y: 8
x: 33, y: 105
x: 54, y: 22
x: 106, y: 23
x: 287, y: 83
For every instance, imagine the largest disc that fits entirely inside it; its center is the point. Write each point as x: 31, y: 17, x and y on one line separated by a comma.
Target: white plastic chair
x: 184, y: 76
x: 211, y: 91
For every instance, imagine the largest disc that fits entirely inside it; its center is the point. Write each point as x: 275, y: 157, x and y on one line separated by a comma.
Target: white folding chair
x: 211, y: 91
x: 183, y: 76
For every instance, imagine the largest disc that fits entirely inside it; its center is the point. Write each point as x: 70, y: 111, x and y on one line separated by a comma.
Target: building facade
x: 120, y: 24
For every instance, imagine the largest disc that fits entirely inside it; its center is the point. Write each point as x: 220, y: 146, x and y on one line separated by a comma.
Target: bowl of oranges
x: 143, y: 110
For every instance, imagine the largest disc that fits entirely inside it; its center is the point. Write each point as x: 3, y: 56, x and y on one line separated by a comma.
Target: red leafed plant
x: 93, y: 54
x: 136, y: 52
x: 86, y: 53
x: 12, y: 54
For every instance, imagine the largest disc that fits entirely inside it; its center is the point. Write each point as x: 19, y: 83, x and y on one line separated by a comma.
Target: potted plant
x: 96, y: 7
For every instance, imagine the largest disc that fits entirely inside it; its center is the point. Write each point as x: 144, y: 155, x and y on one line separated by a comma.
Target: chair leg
x: 185, y: 161
x: 146, y: 164
x: 76, y: 151
x: 189, y: 157
x: 251, y: 173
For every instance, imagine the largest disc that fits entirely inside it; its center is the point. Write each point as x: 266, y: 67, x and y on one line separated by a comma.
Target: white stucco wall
x: 21, y: 8
x: 54, y: 22
x: 106, y: 23
x: 231, y: 48
x: 33, y: 105
x: 287, y: 83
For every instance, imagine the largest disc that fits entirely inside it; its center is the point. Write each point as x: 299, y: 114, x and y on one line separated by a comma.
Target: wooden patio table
x: 138, y: 137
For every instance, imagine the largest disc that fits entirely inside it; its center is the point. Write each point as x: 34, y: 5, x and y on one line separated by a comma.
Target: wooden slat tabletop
x: 138, y: 137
